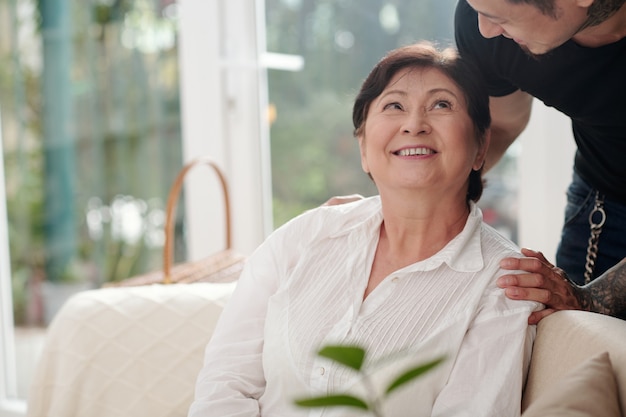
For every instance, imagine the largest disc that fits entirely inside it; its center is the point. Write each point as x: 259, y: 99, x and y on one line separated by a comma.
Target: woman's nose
x: 416, y: 124
x: 487, y: 28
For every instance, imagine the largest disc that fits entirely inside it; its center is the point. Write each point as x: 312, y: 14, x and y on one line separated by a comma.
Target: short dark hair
x: 425, y: 55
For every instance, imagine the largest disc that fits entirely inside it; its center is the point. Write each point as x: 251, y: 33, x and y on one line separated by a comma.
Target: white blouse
x: 303, y: 289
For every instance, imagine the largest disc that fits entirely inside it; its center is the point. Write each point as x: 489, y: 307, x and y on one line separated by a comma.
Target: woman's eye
x: 442, y: 104
x: 393, y: 106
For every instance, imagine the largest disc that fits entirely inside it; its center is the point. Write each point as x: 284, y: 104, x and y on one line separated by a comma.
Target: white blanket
x: 130, y: 351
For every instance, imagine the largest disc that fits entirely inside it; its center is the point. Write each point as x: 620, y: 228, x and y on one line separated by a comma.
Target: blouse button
x: 394, y: 279
x: 322, y: 370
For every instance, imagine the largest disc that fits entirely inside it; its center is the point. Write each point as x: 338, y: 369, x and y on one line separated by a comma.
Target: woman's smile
x: 419, y: 151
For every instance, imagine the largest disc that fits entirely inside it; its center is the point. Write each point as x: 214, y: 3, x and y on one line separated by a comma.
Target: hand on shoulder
x: 541, y: 281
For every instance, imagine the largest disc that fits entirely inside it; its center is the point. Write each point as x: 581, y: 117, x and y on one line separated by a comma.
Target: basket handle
x: 172, y: 202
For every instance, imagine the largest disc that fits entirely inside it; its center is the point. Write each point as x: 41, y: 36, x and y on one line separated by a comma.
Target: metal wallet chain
x: 597, y: 217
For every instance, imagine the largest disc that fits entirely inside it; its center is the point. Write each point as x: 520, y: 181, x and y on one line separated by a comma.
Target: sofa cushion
x: 589, y: 390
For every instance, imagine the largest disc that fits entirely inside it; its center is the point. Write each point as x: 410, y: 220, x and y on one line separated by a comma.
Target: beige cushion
x: 567, y: 339
x: 126, y: 352
x: 589, y: 390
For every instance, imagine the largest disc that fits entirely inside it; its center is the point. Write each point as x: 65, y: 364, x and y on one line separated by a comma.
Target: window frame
x: 224, y: 95
x: 10, y: 405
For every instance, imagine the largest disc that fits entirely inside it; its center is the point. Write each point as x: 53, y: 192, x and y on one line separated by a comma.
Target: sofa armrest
x: 566, y: 339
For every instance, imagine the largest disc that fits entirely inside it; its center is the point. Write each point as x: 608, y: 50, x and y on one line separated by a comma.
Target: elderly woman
x: 412, y: 269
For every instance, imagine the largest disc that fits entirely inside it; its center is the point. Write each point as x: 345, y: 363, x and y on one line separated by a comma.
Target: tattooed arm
x: 549, y: 285
x: 607, y: 293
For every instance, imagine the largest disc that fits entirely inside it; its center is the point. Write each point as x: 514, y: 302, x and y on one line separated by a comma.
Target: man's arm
x: 509, y: 117
x: 607, y: 293
x: 549, y: 285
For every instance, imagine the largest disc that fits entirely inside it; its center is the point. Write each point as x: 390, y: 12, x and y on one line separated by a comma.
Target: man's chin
x: 528, y: 52
x: 533, y: 55
x: 539, y: 50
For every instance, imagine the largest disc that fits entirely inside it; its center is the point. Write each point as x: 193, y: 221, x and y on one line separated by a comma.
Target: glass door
x: 91, y: 140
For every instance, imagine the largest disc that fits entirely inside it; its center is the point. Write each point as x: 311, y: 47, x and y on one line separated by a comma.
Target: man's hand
x: 342, y: 199
x: 542, y: 282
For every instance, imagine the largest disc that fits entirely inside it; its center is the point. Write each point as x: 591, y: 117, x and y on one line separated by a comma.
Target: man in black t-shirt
x: 572, y: 56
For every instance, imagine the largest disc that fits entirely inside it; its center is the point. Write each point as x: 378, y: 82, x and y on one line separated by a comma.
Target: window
x: 114, y: 68
x: 91, y: 138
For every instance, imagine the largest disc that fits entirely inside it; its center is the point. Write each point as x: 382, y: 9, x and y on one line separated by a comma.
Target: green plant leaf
x: 333, y: 401
x: 413, y: 373
x: 351, y: 356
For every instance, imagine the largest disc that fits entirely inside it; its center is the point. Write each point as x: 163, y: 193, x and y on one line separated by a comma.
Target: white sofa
x: 136, y: 351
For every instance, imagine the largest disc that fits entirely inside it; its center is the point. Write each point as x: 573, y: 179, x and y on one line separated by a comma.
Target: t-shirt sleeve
x: 485, y: 53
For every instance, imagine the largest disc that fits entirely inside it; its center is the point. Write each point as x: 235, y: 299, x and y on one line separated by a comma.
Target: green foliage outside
x: 123, y: 139
x: 313, y: 161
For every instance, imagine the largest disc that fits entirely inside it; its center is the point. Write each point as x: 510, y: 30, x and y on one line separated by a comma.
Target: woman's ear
x: 364, y: 164
x: 482, y: 152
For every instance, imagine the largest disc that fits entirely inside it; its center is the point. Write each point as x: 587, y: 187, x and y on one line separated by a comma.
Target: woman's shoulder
x: 501, y: 247
x: 340, y: 216
x: 497, y: 241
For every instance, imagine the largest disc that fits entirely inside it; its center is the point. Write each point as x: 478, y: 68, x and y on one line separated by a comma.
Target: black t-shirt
x: 586, y: 84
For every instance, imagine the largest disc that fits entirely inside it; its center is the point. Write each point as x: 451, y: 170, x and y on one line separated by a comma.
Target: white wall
x: 545, y: 165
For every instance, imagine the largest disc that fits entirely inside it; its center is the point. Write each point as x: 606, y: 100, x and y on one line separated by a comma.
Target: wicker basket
x: 224, y: 266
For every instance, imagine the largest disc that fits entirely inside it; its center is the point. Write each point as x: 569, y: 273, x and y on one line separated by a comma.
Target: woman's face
x: 418, y: 135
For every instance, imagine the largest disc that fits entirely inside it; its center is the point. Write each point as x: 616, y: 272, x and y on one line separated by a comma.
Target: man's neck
x: 610, y: 31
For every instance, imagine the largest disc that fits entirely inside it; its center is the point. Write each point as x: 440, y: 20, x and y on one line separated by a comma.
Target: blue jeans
x: 572, y: 251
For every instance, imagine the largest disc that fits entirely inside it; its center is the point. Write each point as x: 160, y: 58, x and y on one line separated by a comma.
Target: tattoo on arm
x: 607, y: 293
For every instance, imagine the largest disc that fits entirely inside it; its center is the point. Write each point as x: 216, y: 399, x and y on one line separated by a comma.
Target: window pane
x: 91, y: 142
x: 314, y: 155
